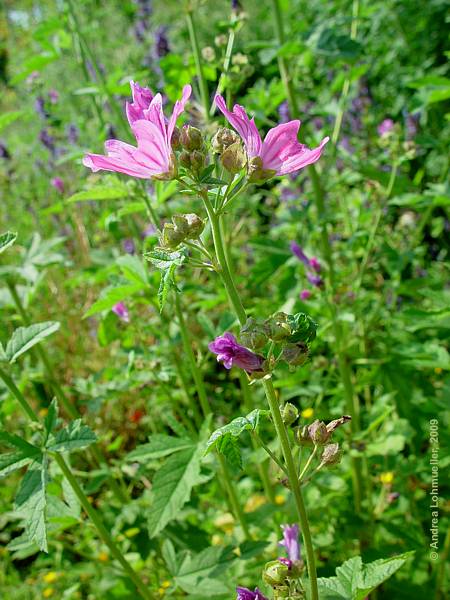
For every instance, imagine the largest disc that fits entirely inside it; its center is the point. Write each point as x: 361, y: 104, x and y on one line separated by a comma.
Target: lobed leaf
x: 73, y: 437
x: 25, y: 338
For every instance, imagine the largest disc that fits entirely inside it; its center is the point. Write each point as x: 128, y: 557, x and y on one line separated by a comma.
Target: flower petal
x: 280, y: 143
x: 177, y: 110
x: 302, y: 159
x: 244, y: 126
x: 142, y: 97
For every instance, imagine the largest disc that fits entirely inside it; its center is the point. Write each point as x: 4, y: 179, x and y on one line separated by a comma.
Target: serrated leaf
x: 236, y: 427
x: 73, y: 437
x: 354, y: 580
x: 159, y: 445
x: 229, y: 447
x: 206, y: 565
x: 13, y: 440
x: 31, y: 503
x: 51, y: 417
x: 11, y: 462
x: 163, y: 259
x: 25, y: 338
x: 172, y: 487
x: 101, y: 192
x: 167, y: 281
x: 23, y: 455
x: 111, y: 296
x: 6, y: 240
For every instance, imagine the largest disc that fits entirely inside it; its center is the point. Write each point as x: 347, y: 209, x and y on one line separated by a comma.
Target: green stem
x: 206, y: 409
x: 65, y: 402
x: 102, y: 531
x: 294, y: 484
x: 282, y: 65
x: 308, y: 462
x: 198, y: 62
x: 92, y: 514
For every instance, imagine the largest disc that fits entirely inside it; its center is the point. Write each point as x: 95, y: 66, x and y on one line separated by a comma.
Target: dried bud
x: 256, y: 172
x: 275, y: 573
x: 208, y: 53
x: 337, y: 423
x: 289, y: 413
x: 171, y: 237
x: 190, y: 225
x: 295, y: 354
x: 278, y: 328
x: 175, y: 139
x: 224, y: 138
x: 302, y: 437
x: 185, y: 159
x: 234, y: 158
x: 331, y: 455
x: 318, y: 433
x: 221, y: 40
x: 191, y: 138
x: 253, y: 334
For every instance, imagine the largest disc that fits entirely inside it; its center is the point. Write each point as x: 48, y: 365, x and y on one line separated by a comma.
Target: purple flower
x: 291, y: 542
x: 385, y: 127
x: 72, y: 133
x: 58, y: 184
x: 39, y: 106
x: 162, y: 47
x: 283, y: 112
x: 246, y: 594
x: 128, y: 246
x: 298, y: 252
x: 148, y: 231
x: 305, y: 294
x: 315, y: 280
x: 53, y: 96
x: 315, y: 264
x: 47, y: 140
x: 121, y: 311
x: 233, y: 354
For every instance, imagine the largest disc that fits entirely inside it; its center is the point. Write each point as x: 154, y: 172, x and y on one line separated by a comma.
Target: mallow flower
x: 121, y: 311
x: 280, y: 152
x: 291, y: 542
x: 246, y: 594
x: 233, y: 354
x: 153, y: 157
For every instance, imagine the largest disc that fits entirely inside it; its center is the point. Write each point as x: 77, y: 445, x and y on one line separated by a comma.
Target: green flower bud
x: 275, y: 573
x: 208, y: 53
x: 253, y: 334
x: 303, y: 328
x: 318, y: 433
x: 295, y: 354
x: 198, y: 160
x: 331, y: 455
x: 302, y: 437
x: 190, y: 225
x: 185, y: 159
x: 233, y: 158
x: 224, y: 138
x: 191, y: 138
x: 256, y: 172
x: 171, y: 237
x: 277, y: 326
x: 289, y: 413
x: 282, y: 591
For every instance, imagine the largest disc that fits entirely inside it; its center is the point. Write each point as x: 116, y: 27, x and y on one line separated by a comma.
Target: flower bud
x: 171, y: 237
x: 331, y: 455
x: 253, y: 334
x: 295, y: 354
x: 332, y: 425
x: 275, y: 573
x: 318, y: 433
x: 185, y: 159
x: 175, y: 139
x: 256, y: 172
x: 221, y: 40
x: 289, y: 413
x: 198, y: 160
x: 282, y: 591
x: 208, y: 53
x: 190, y: 225
x: 233, y: 158
x: 224, y: 137
x: 278, y: 328
x: 191, y: 138
x: 302, y: 437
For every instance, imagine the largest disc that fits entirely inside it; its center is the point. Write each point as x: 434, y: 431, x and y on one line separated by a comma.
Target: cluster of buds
x: 193, y: 155
x: 183, y: 228
x: 319, y: 434
x: 228, y: 145
x: 284, y: 575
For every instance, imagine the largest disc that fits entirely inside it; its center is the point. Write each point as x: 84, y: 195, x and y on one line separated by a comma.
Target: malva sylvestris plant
x: 163, y: 152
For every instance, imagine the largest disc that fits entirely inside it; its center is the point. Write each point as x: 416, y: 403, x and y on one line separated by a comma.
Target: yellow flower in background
x: 280, y: 499
x: 103, y: 557
x: 387, y: 477
x: 307, y: 413
x: 50, y: 577
x: 438, y: 370
x: 254, y: 502
x: 165, y: 584
x: 216, y: 540
x: 48, y: 592
x: 43, y: 412
x: 225, y: 522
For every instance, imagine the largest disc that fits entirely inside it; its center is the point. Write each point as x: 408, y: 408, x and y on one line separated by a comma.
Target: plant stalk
x: 198, y: 62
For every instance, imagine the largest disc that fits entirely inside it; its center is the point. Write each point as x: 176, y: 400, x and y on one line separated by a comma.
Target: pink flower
x: 58, y: 184
x: 121, y: 311
x: 280, y: 152
x: 305, y: 295
x: 233, y: 354
x: 385, y: 127
x: 153, y: 157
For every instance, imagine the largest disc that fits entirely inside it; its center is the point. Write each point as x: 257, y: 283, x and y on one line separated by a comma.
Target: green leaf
x: 111, y: 296
x: 11, y: 462
x: 10, y: 439
x: 73, y: 437
x: 6, y: 240
x: 203, y: 568
x: 101, y: 192
x: 354, y: 580
x: 25, y: 338
x: 172, y: 487
x: 159, y: 445
x: 133, y: 269
x: 9, y: 117
x: 51, y: 417
x: 167, y: 281
x: 31, y: 503
x: 163, y: 259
